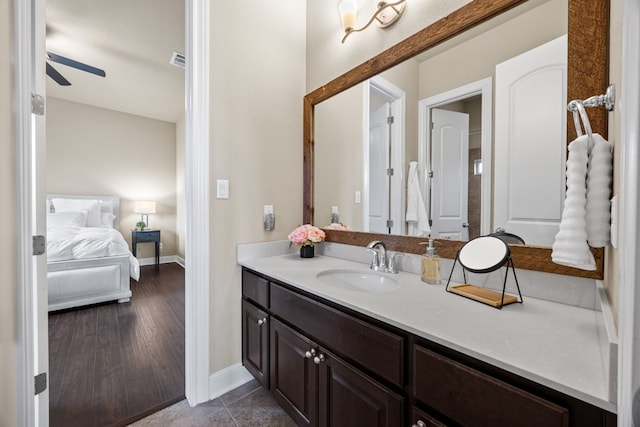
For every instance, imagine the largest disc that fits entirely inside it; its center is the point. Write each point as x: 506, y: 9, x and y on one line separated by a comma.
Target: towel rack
x: 608, y: 100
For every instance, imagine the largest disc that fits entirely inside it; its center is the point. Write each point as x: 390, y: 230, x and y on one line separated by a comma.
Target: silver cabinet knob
x: 310, y: 353
x: 420, y: 423
x: 262, y: 321
x: 318, y: 359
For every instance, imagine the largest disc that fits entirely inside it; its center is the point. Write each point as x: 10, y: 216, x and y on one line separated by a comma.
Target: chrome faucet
x: 382, y: 261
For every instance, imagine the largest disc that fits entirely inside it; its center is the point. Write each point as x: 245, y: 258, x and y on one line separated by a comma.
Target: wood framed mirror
x: 587, y: 75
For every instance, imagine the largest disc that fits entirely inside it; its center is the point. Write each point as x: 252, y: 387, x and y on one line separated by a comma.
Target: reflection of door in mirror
x: 384, y: 147
x: 530, y: 142
x: 449, y: 147
x: 460, y: 203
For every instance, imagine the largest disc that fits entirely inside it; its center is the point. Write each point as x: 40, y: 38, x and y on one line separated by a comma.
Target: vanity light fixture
x: 386, y: 14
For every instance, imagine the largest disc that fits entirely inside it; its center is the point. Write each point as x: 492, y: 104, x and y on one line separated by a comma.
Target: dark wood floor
x: 111, y: 364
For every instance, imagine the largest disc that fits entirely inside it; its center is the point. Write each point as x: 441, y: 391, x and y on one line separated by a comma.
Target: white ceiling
x: 132, y: 40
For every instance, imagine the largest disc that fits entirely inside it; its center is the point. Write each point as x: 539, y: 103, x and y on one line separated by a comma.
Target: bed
x: 88, y: 259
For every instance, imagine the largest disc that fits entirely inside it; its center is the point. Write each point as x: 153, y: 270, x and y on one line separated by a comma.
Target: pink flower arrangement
x: 306, y: 235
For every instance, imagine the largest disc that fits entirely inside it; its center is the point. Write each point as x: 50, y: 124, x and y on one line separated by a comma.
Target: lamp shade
x: 348, y: 14
x: 144, y: 207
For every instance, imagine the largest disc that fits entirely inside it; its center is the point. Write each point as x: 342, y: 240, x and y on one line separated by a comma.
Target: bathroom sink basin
x: 359, y: 280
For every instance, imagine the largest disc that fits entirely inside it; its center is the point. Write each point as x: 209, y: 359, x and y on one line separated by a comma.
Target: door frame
x: 23, y: 48
x: 197, y: 273
x: 480, y: 87
x: 629, y: 248
x: 397, y: 97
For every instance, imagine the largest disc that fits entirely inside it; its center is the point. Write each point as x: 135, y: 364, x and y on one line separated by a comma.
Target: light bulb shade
x: 144, y: 207
x: 348, y: 13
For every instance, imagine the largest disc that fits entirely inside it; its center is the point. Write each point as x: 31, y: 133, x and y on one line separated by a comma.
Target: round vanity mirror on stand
x: 482, y: 255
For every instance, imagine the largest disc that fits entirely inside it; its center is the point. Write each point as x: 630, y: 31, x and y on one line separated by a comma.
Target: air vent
x: 178, y: 59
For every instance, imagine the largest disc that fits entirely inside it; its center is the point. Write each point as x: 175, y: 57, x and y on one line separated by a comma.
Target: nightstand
x: 146, y: 236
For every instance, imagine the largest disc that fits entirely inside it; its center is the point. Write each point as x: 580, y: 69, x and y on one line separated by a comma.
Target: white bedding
x: 67, y: 243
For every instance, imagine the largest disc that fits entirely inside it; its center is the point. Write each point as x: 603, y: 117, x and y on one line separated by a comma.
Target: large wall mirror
x: 360, y: 162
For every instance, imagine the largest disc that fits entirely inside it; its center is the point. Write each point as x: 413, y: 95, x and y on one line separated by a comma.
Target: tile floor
x: 249, y: 405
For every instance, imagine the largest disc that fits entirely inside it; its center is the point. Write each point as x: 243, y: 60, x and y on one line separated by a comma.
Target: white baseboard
x: 227, y: 379
x: 163, y: 260
x: 180, y: 261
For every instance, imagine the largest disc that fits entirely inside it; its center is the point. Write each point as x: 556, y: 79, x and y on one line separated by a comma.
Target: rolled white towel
x: 416, y: 216
x: 598, y: 208
x: 570, y: 247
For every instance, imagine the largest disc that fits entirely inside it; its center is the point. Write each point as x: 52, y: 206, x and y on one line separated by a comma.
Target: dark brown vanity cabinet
x: 317, y: 388
x: 314, y: 385
x: 327, y: 365
x: 255, y: 326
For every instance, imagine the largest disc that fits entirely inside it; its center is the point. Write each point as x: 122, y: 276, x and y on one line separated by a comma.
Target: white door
x: 530, y: 142
x: 450, y: 167
x: 378, y: 164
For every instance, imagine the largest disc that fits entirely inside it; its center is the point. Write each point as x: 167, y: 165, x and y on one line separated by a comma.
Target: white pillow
x: 67, y: 219
x: 75, y: 205
x: 106, y: 219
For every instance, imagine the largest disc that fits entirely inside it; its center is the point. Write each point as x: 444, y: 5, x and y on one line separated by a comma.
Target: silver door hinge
x: 41, y: 382
x: 37, y: 104
x: 389, y: 223
x: 390, y: 120
x: 390, y: 171
x: 39, y: 245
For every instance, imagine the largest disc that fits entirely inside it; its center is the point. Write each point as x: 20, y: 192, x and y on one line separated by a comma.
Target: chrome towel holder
x: 608, y: 100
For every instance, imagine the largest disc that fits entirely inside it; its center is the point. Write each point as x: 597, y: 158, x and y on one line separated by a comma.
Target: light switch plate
x: 357, y: 197
x: 222, y: 186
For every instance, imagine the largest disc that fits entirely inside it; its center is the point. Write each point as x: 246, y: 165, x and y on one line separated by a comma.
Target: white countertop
x: 557, y: 345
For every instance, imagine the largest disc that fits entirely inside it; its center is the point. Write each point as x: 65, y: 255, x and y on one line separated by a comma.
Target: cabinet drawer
x: 255, y: 288
x: 374, y: 348
x: 147, y: 236
x: 422, y: 419
x: 472, y: 398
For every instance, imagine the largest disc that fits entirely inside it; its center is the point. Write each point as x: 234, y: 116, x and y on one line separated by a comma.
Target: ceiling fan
x: 59, y: 78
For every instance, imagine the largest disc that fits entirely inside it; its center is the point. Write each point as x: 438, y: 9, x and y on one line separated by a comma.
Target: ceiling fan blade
x: 55, y: 75
x: 75, y: 64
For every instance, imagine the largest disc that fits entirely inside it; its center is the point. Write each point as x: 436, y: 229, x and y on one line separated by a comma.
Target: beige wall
x: 338, y: 158
x: 476, y: 59
x: 92, y: 150
x: 612, y: 257
x: 8, y: 340
x: 181, y: 226
x: 257, y: 86
x: 327, y: 58
x: 339, y: 146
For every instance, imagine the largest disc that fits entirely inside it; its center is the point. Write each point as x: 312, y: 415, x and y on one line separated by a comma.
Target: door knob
x: 318, y: 359
x: 262, y: 321
x: 420, y: 423
x: 465, y: 224
x: 310, y: 353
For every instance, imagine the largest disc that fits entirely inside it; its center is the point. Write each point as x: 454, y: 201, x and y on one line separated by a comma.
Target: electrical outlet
x: 160, y: 247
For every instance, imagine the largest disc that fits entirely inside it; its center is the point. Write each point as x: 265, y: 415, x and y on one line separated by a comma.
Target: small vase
x: 307, y: 251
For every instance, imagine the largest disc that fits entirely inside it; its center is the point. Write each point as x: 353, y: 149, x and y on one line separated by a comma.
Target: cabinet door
x: 255, y: 342
x: 348, y: 398
x: 294, y: 376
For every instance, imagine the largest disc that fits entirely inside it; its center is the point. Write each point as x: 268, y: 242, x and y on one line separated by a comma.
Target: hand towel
x: 416, y: 216
x: 570, y: 247
x: 598, y: 209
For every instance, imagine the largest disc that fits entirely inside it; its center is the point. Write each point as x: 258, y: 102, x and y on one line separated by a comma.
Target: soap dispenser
x: 431, y: 265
